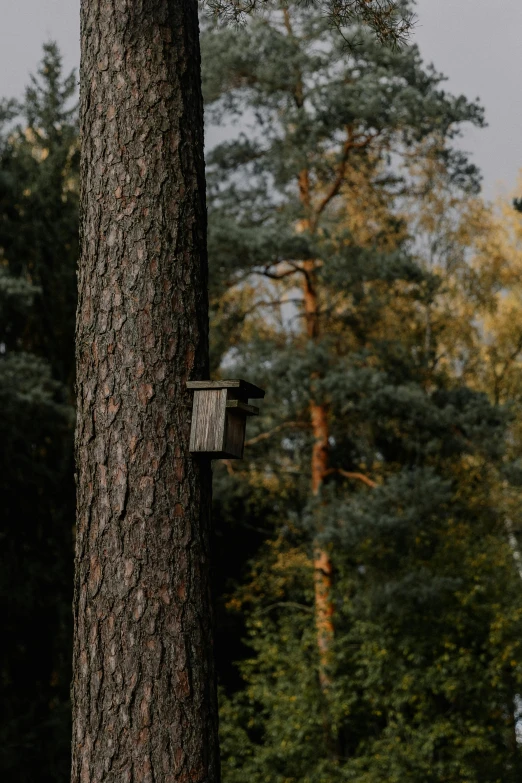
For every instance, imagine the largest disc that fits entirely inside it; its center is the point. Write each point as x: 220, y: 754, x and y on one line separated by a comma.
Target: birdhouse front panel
x: 208, y: 421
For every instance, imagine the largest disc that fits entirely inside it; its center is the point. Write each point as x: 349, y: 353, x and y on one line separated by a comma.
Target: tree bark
x: 144, y: 698
x: 324, y: 611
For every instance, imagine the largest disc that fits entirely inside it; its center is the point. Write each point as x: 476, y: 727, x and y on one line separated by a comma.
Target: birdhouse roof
x: 248, y: 389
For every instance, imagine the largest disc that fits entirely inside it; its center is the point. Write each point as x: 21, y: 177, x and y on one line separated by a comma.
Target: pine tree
x: 144, y: 700
x: 385, y: 448
x: 38, y: 250
x: 322, y: 117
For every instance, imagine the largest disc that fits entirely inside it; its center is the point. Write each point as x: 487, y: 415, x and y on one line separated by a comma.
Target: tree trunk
x: 319, y: 463
x: 144, y: 698
x: 322, y: 563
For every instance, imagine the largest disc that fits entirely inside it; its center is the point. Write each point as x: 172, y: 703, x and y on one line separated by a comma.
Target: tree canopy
x: 324, y: 286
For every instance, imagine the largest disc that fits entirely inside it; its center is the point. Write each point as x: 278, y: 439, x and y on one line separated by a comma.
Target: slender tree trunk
x: 319, y: 419
x: 144, y: 700
x: 322, y: 563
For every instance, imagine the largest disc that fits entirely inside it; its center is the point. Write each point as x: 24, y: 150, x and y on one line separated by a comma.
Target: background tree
x: 38, y: 250
x: 371, y: 454
x: 324, y: 118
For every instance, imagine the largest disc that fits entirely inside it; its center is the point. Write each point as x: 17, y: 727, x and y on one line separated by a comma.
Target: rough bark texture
x: 144, y: 691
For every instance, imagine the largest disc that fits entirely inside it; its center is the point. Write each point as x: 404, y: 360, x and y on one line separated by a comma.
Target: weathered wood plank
x: 208, y: 421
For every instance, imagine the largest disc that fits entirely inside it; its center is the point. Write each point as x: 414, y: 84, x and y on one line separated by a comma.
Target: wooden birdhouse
x: 219, y: 413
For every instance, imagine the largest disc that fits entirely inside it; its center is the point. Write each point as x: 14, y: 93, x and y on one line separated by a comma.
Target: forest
x: 367, y: 552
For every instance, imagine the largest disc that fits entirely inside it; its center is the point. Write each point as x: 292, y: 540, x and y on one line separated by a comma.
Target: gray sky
x: 474, y: 42
x: 24, y: 26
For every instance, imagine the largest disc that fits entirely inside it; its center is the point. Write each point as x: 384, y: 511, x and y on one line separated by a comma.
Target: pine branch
x: 295, y: 268
x: 265, y: 435
x: 229, y: 466
x: 277, y: 275
x: 293, y: 604
x: 272, y: 303
x: 350, y: 144
x: 384, y: 17
x: 351, y: 475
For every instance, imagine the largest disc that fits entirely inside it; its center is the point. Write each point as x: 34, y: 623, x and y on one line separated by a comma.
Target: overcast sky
x: 476, y: 43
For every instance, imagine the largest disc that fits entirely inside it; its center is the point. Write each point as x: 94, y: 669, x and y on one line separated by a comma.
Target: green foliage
x: 425, y: 670
x: 311, y: 106
x: 427, y: 649
x: 390, y: 20
x: 38, y: 251
x: 39, y: 214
